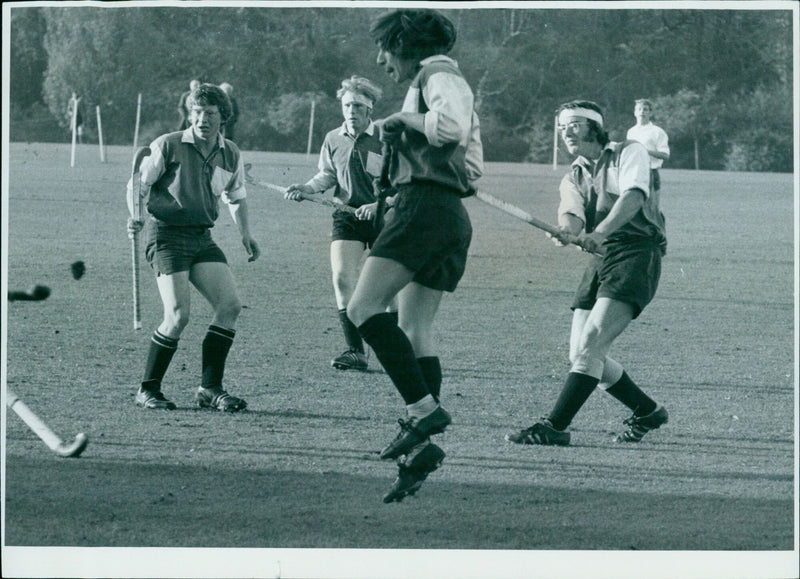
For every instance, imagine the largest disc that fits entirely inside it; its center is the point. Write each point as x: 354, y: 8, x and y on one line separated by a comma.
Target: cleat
x: 350, y: 360
x: 414, y: 468
x: 218, y: 399
x: 540, y: 433
x: 153, y: 399
x: 638, y: 426
x: 415, y: 431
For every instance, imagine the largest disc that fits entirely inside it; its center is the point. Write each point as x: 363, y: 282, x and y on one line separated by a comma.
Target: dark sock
x: 626, y: 391
x: 351, y: 335
x: 432, y: 372
x: 159, y: 356
x: 396, y: 355
x: 217, y: 343
x: 576, y: 391
x: 395, y: 317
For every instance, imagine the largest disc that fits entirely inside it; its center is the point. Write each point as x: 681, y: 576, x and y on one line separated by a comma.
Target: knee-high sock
x: 432, y: 372
x: 626, y: 391
x: 576, y: 391
x: 351, y: 335
x: 396, y: 355
x: 159, y: 356
x: 216, y: 345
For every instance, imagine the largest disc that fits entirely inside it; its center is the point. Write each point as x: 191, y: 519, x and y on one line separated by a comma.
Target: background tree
x: 521, y: 63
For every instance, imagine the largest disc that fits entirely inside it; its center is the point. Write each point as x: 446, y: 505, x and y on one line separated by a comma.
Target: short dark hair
x: 599, y: 132
x: 414, y: 34
x: 211, y: 95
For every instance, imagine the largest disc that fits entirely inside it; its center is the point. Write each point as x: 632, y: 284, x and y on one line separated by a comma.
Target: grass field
x: 293, y: 486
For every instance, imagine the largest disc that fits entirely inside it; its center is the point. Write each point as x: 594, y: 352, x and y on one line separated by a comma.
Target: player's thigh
x: 380, y: 281
x: 346, y: 257
x: 607, y: 320
x: 176, y: 294
x: 417, y: 307
x: 214, y: 281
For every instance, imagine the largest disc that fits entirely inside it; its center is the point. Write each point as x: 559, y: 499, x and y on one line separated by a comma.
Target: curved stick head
x: 75, y: 449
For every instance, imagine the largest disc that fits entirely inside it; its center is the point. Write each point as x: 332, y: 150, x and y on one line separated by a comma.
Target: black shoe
x: 415, y: 431
x: 414, y: 469
x: 350, y: 360
x: 638, y: 426
x: 153, y: 399
x: 219, y: 399
x: 540, y: 433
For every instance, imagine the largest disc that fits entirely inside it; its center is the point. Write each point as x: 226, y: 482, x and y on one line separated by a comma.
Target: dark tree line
x: 722, y: 79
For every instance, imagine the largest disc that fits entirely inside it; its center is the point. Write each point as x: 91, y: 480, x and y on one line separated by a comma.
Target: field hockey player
x: 421, y: 252
x: 186, y: 174
x: 606, y: 200
x: 350, y: 162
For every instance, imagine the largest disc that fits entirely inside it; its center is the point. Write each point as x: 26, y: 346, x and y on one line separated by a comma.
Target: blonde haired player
x: 349, y: 162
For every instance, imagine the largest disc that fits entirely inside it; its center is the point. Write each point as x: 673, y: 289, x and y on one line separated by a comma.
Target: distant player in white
x: 652, y: 137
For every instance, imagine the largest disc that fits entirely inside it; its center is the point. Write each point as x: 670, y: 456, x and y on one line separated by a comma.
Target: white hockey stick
x: 41, y: 430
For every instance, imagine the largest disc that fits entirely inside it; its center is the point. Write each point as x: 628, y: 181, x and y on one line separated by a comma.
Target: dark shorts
x: 170, y: 249
x: 629, y: 272
x: 655, y: 180
x: 348, y: 227
x: 429, y: 232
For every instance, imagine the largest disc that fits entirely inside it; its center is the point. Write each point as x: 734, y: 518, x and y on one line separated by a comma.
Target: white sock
x: 422, y: 408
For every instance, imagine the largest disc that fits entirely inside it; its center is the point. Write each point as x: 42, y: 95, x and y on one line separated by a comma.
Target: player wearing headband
x: 350, y: 160
x: 606, y: 199
x: 422, y: 251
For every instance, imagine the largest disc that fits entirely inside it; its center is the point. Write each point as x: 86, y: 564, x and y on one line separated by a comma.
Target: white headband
x: 590, y: 114
x: 356, y: 97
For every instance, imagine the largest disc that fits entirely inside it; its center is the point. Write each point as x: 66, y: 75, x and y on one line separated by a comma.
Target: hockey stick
x: 136, y: 215
x: 250, y: 180
x: 381, y: 185
x: 538, y: 223
x: 41, y: 430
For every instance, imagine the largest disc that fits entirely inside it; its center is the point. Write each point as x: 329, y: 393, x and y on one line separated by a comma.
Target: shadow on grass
x: 124, y: 504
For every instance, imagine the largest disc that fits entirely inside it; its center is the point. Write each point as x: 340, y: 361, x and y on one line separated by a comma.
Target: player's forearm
x: 659, y: 155
x: 626, y: 207
x: 240, y: 216
x: 570, y: 223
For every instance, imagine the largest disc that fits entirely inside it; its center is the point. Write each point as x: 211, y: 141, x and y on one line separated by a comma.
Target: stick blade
x: 75, y: 449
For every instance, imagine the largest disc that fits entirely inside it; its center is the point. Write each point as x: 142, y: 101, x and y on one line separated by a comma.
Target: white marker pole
x: 138, y: 118
x: 311, y: 128
x: 100, y: 135
x: 555, y: 144
x: 74, y: 131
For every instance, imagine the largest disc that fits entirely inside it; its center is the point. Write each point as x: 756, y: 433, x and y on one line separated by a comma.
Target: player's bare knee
x: 229, y: 310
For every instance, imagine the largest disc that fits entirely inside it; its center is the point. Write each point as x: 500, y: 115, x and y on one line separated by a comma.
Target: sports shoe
x: 638, y: 426
x: 414, y: 469
x: 153, y: 399
x: 416, y: 430
x: 540, y: 433
x: 219, y: 399
x: 350, y: 360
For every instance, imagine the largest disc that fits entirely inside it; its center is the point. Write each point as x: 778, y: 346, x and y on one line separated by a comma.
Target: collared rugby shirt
x: 589, y: 191
x: 450, y: 151
x: 185, y: 187
x: 349, y: 164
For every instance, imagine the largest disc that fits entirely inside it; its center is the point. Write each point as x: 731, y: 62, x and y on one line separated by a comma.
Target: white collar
x: 188, y: 137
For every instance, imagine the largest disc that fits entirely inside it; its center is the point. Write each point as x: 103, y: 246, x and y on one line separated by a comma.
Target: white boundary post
x: 138, y: 118
x: 555, y: 144
x: 311, y: 127
x: 100, y: 135
x: 74, y: 131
